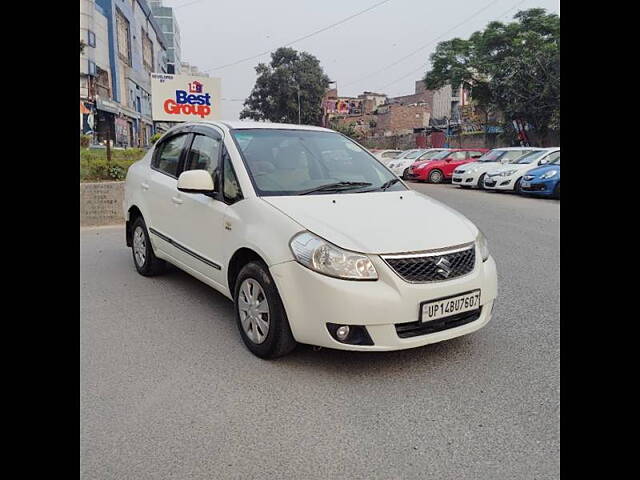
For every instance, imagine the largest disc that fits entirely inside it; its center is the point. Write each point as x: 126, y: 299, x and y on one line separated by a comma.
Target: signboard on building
x: 183, y: 98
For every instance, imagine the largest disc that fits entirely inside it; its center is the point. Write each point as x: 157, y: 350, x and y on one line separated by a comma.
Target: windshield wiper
x: 384, y: 186
x: 387, y: 184
x: 338, y: 186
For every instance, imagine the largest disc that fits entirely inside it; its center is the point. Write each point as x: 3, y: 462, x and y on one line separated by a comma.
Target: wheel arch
x: 239, y: 259
x: 132, y: 214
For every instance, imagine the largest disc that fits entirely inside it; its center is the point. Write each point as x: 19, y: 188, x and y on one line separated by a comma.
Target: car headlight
x: 549, y: 174
x: 508, y: 173
x: 483, y: 246
x: 324, y: 257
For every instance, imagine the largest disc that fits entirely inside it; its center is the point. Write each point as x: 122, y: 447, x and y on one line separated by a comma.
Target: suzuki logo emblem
x: 444, y: 267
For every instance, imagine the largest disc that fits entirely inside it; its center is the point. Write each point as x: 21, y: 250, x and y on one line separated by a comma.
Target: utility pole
x: 108, y: 143
x: 298, y: 85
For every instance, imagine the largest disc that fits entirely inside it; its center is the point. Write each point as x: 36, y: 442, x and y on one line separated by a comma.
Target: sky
x: 364, y: 53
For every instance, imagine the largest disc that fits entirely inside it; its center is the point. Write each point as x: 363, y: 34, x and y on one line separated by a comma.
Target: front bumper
x: 500, y: 183
x: 465, y: 179
x: 538, y: 187
x: 312, y: 300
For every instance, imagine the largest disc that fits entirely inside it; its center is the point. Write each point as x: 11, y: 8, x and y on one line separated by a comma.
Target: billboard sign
x: 183, y: 98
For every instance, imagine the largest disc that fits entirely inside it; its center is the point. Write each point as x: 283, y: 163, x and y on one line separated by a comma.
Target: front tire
x: 481, y: 182
x: 436, y: 176
x: 146, y: 262
x: 556, y: 191
x: 260, y: 314
x: 516, y: 187
x: 404, y: 174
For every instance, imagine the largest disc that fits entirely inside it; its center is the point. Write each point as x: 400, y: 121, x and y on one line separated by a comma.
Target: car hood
x: 480, y: 166
x: 378, y: 222
x: 519, y: 167
x: 544, y: 168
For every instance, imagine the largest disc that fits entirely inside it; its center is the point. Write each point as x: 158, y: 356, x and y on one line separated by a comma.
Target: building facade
x: 165, y: 17
x: 95, y: 67
x: 188, y: 69
x: 129, y: 46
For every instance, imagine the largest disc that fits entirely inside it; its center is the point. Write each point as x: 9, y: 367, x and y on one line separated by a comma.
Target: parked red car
x: 440, y: 167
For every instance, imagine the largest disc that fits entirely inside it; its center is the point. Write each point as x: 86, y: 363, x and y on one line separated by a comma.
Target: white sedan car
x: 509, y: 176
x: 400, y: 165
x: 473, y: 174
x: 385, y: 156
x: 312, y: 239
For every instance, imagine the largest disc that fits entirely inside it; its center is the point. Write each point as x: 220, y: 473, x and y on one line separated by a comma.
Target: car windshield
x: 531, y: 157
x: 411, y: 154
x: 492, y: 156
x: 295, y: 162
x: 430, y: 155
x: 441, y: 155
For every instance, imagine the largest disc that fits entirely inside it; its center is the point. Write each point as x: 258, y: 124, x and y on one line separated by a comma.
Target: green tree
x: 275, y: 94
x: 513, y: 68
x: 347, y: 129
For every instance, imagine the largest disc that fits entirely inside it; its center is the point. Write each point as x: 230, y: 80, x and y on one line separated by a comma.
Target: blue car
x: 543, y: 180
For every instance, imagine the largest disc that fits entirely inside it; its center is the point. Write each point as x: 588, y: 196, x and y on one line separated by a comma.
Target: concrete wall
x: 101, y: 203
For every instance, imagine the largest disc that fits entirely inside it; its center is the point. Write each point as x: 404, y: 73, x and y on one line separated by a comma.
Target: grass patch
x: 95, y: 168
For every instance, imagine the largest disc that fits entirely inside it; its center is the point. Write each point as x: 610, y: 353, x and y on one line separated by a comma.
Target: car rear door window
x: 458, y: 155
x: 474, y: 154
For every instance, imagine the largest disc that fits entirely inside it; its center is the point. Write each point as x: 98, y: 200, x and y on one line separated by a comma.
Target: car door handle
x: 176, y: 200
x: 144, y: 185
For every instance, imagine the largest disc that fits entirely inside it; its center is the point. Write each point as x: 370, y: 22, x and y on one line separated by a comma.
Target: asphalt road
x: 168, y: 390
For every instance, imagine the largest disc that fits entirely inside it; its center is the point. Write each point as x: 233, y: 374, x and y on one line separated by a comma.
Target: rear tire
x: 436, y: 176
x: 253, y: 313
x: 146, y: 262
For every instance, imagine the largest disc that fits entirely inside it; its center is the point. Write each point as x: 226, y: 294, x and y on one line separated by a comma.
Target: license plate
x: 445, y: 307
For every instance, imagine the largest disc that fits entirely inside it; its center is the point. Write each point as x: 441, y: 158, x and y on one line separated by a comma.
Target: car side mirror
x: 196, y: 181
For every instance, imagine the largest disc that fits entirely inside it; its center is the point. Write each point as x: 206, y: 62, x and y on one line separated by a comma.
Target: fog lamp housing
x: 350, y: 334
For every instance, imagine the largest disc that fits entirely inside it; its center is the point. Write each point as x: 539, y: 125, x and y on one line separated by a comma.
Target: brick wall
x: 401, y: 119
x: 101, y: 203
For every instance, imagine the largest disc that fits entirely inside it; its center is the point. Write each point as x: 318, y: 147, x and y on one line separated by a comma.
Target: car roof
x: 243, y: 124
x: 518, y: 148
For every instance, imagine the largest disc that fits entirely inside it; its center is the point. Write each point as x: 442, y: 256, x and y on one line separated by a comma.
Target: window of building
x: 92, y: 68
x: 147, y: 52
x: 124, y: 37
x: 91, y: 38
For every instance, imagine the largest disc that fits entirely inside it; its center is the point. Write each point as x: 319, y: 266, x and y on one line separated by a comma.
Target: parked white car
x: 509, y: 176
x: 472, y: 174
x: 385, y: 156
x: 313, y: 239
x: 400, y: 165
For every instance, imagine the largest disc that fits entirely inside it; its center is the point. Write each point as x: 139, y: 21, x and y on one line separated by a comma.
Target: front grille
x: 457, y: 179
x: 414, y: 329
x: 433, y: 267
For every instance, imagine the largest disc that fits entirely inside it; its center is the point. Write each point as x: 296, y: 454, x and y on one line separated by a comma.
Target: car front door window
x: 167, y: 159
